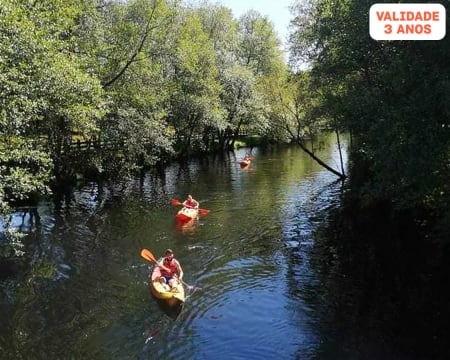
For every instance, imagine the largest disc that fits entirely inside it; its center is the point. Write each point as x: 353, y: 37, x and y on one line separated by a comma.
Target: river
x: 259, y: 290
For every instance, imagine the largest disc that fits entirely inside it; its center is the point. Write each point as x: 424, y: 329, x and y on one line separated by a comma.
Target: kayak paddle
x: 147, y: 255
x: 176, y: 202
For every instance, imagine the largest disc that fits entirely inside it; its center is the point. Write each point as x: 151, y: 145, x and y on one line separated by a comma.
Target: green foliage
x: 23, y: 170
x: 390, y: 96
x: 259, y: 47
x: 45, y: 93
x: 194, y: 100
x: 146, y: 79
x: 222, y: 30
x: 134, y: 47
x: 243, y: 101
x: 11, y: 246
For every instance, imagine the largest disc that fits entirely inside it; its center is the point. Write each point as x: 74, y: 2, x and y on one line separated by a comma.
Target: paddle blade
x: 203, y: 211
x: 146, y: 254
x: 176, y: 202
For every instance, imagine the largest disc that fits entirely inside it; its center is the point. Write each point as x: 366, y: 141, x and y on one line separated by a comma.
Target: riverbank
x: 87, y: 172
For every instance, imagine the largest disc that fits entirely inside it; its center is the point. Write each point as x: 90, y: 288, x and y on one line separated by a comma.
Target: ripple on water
x: 240, y: 303
x: 251, y: 255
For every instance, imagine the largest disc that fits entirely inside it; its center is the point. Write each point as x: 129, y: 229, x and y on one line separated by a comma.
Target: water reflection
x: 187, y: 227
x: 86, y: 294
x: 172, y: 311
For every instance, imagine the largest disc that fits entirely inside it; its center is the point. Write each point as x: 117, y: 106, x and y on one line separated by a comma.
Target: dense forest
x: 392, y: 98
x: 104, y: 88
x: 138, y: 83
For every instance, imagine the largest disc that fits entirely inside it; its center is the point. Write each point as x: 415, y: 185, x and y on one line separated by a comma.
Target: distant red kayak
x: 244, y: 163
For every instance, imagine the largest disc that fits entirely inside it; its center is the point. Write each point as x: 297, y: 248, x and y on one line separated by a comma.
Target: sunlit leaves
x: 144, y: 77
x: 195, y: 86
x: 41, y: 80
x: 133, y: 49
x: 259, y: 48
x: 24, y: 169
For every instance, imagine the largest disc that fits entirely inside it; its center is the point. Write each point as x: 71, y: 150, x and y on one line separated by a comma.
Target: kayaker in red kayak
x: 191, y: 203
x: 171, y: 271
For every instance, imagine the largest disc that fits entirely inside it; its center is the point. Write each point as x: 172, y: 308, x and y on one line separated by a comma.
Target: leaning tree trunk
x: 320, y: 162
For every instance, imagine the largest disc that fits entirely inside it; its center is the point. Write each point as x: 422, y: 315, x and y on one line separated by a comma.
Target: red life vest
x: 170, y: 264
x: 191, y: 203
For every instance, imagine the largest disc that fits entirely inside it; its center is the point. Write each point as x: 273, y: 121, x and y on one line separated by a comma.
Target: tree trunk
x: 320, y: 162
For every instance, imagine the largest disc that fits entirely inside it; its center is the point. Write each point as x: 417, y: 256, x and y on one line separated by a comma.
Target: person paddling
x: 171, y: 270
x: 191, y: 203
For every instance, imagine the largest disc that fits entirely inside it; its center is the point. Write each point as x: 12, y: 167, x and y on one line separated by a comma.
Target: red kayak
x: 186, y: 214
x: 244, y: 162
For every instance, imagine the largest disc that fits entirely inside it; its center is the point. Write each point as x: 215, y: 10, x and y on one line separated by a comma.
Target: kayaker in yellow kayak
x: 171, y: 270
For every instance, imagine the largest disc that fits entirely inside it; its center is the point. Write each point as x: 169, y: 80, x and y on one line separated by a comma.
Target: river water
x: 259, y: 290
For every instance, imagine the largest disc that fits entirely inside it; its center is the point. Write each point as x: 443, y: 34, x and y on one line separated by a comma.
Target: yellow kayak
x: 174, y: 296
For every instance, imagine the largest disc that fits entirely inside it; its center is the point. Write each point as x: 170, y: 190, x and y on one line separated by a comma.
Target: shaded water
x: 254, y: 256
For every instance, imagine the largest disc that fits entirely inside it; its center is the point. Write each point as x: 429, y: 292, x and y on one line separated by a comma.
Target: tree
x: 259, y: 47
x: 244, y: 104
x: 296, y: 114
x: 45, y: 94
x: 195, y: 87
x: 132, y: 43
x: 257, y: 56
x: 400, y: 143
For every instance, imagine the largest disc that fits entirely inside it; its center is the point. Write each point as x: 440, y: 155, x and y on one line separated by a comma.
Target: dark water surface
x: 254, y: 256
